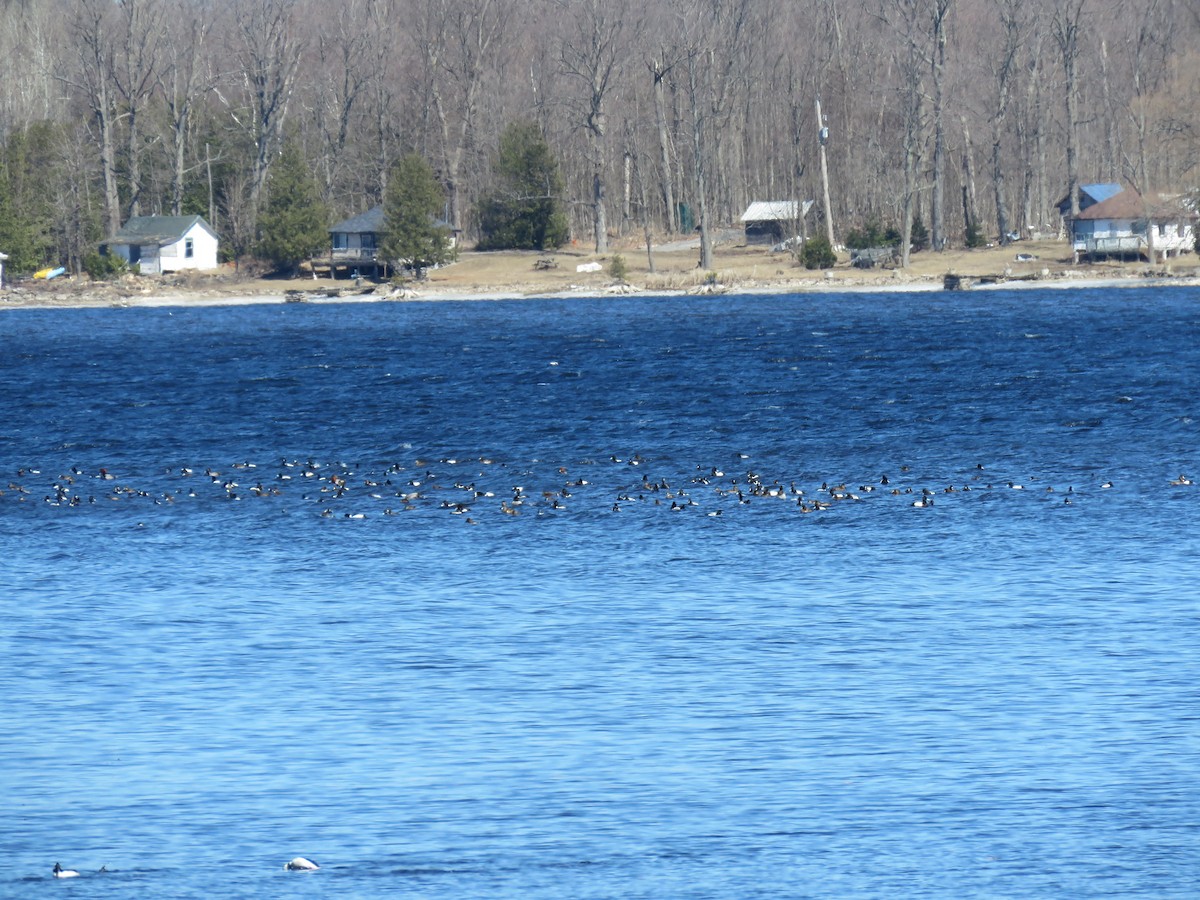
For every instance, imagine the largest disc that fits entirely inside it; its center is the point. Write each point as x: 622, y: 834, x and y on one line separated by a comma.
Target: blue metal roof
x: 1100, y: 192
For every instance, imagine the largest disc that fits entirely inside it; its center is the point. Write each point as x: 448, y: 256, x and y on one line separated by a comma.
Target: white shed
x: 162, y: 244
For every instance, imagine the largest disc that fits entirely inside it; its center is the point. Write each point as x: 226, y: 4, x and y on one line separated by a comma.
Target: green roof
x: 159, y: 230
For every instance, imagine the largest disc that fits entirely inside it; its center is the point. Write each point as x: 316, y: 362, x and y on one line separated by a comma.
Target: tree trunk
x: 827, y: 208
x: 699, y: 151
x: 599, y: 210
x: 937, y: 223
x: 102, y: 110
x: 1065, y: 26
x: 970, y: 198
x: 664, y: 145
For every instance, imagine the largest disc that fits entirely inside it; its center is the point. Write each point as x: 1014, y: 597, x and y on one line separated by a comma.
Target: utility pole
x: 823, y: 138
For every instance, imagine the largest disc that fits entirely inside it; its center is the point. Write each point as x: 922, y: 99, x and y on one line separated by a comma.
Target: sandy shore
x: 528, y: 275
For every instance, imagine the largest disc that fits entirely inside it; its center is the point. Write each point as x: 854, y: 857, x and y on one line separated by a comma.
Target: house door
x: 135, y: 254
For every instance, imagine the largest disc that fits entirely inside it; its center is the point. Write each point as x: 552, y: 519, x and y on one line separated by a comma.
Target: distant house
x: 162, y: 244
x: 1130, y: 224
x: 774, y: 221
x: 355, y: 242
x: 357, y: 238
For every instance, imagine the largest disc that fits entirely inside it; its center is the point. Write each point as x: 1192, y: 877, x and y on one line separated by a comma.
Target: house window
x: 339, y: 240
x: 1162, y: 229
x: 189, y: 248
x: 368, y: 241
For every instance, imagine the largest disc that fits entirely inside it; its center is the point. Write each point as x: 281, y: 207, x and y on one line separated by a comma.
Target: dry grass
x: 745, y: 267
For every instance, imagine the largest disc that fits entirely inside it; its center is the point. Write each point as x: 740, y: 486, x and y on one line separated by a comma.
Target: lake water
x: 604, y: 598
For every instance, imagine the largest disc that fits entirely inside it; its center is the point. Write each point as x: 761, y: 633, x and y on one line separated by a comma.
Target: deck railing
x: 1131, y: 243
x: 354, y: 253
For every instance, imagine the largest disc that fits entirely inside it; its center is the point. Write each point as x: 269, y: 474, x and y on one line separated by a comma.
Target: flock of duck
x: 480, y: 487
x: 298, y: 864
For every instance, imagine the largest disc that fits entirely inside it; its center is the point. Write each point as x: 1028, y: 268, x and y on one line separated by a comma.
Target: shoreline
x: 185, y: 299
x: 523, y: 275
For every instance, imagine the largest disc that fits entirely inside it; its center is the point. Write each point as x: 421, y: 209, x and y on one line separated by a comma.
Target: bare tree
x: 91, y: 21
x: 268, y: 48
x: 461, y: 40
x: 710, y: 30
x: 1066, y: 25
x: 183, y: 81
x: 344, y: 56
x: 722, y: 111
x: 1011, y: 13
x: 1149, y: 51
x: 591, y: 54
x: 135, y: 65
x: 938, y: 11
x: 906, y: 20
x: 660, y: 68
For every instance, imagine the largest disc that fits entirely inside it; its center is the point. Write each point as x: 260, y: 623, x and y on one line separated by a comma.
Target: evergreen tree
x: 920, y: 234
x: 817, y: 253
x: 975, y: 237
x: 525, y: 210
x: 13, y: 241
x: 415, y: 199
x: 26, y: 221
x: 294, y: 225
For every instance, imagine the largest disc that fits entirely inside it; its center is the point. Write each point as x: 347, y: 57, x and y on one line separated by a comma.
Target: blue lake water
x: 604, y: 598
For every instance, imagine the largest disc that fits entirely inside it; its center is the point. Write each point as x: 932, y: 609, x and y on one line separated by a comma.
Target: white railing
x: 354, y: 253
x: 1130, y: 243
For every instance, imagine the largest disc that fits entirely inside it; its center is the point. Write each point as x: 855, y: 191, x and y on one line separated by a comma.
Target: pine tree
x: 817, y: 253
x: 525, y: 210
x: 294, y: 225
x: 25, y: 221
x: 415, y: 199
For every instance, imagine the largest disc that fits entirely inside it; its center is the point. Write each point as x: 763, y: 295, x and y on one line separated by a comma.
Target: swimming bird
x: 301, y: 864
x: 60, y: 872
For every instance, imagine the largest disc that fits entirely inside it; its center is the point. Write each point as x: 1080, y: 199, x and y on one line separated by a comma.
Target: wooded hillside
x: 960, y: 114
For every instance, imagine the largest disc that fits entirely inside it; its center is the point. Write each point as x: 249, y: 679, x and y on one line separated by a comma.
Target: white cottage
x: 1128, y: 223
x: 162, y: 244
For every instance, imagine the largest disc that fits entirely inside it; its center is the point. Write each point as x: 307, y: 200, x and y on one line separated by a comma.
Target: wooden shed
x: 774, y: 221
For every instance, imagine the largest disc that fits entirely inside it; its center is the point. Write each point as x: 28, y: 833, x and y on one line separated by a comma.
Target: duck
x: 301, y: 864
x: 60, y: 872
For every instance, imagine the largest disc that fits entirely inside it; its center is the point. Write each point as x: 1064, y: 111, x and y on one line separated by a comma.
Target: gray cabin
x: 354, y: 244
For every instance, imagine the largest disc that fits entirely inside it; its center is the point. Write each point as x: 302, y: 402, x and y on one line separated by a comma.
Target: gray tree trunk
x: 659, y: 68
